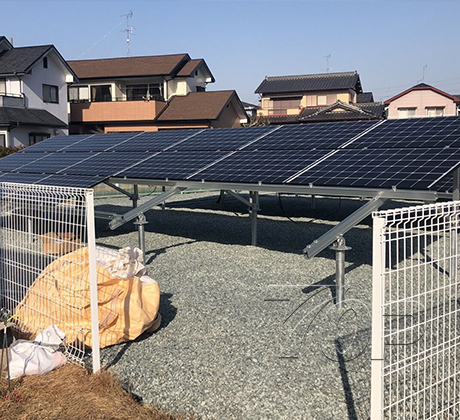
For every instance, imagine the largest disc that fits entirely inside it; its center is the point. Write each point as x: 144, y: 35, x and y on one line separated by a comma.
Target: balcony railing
x: 146, y: 98
x: 13, y: 100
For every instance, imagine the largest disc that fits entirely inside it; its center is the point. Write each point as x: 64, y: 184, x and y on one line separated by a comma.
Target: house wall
x: 420, y: 99
x: 19, y: 136
x: 115, y: 111
x: 228, y: 118
x: 32, y: 87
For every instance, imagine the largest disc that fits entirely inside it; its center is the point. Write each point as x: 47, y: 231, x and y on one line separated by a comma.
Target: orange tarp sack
x: 60, y: 295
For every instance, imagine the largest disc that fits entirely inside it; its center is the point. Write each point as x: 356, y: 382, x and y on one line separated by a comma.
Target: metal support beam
x: 253, y: 209
x: 340, y: 247
x: 135, y: 196
x: 140, y: 223
x: 132, y: 214
x: 456, y: 186
x: 163, y: 204
x: 117, y: 188
x: 313, y: 202
x: 239, y: 197
x: 343, y: 227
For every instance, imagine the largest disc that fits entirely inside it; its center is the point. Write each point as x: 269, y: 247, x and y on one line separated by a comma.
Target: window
x: 434, y: 111
x: 407, y: 112
x: 2, y: 86
x: 78, y: 93
x: 279, y: 106
x: 37, y: 137
x: 322, y: 100
x: 200, y: 89
x: 143, y: 92
x: 45, y: 62
x: 2, y: 140
x: 50, y: 94
x: 101, y: 93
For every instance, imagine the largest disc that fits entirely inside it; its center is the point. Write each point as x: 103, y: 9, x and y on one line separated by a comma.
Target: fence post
x: 378, y: 300
x: 93, y: 280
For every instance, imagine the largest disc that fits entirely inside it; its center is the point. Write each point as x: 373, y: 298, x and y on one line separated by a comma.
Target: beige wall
x: 421, y: 99
x: 228, y: 118
x: 115, y: 111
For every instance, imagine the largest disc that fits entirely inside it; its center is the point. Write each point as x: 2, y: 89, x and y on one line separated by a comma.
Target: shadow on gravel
x: 168, y: 313
x: 157, y: 252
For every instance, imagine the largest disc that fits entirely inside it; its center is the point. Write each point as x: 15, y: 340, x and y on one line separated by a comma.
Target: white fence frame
x: 27, y: 214
x: 415, y: 313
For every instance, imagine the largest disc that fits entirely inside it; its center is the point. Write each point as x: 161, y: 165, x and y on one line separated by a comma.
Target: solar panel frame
x: 17, y: 160
x: 56, y: 143
x: 99, y: 142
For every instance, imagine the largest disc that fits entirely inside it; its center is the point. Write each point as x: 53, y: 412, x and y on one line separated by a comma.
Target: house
x: 148, y: 93
x: 316, y: 97
x: 422, y: 100
x: 33, y: 93
x: 251, y: 109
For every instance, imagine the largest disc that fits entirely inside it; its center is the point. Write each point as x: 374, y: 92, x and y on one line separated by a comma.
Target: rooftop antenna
x: 327, y: 57
x: 423, y: 77
x: 129, y: 30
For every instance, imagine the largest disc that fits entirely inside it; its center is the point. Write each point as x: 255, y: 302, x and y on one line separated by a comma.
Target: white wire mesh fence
x: 416, y: 309
x: 47, y: 264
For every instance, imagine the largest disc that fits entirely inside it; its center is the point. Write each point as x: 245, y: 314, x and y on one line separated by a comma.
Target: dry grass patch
x: 70, y: 392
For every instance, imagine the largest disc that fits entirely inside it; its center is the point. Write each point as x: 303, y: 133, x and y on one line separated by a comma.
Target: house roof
x: 20, y: 60
x: 250, y: 106
x: 364, y: 97
x: 193, y: 65
x: 198, y: 106
x: 28, y: 116
x: 347, y: 112
x: 423, y: 86
x: 154, y: 65
x: 310, y: 83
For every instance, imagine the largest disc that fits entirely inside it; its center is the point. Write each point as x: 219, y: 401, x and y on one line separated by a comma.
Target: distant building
x: 33, y: 93
x: 422, y: 100
x: 147, y: 94
x: 316, y: 97
x: 251, y: 109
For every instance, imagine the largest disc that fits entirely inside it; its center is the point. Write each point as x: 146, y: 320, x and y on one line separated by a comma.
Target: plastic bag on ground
x: 39, y: 356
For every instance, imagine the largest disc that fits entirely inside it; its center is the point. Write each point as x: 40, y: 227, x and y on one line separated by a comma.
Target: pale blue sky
x: 387, y: 41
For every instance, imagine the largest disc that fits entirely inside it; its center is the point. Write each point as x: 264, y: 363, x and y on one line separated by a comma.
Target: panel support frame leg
x: 253, y: 209
x: 140, y: 222
x: 340, y: 247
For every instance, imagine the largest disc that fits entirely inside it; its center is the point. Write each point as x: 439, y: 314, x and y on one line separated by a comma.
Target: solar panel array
x: 417, y: 154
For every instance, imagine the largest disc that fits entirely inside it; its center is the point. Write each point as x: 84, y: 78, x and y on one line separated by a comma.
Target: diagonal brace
x: 132, y: 214
x: 343, y: 227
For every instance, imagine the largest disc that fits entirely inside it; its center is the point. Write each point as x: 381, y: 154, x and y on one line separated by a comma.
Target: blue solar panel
x: 56, y: 143
x: 71, y: 181
x: 153, y: 141
x: 411, y: 133
x: 20, y: 178
x: 254, y: 166
x: 104, y: 164
x: 17, y: 160
x: 52, y: 163
x: 311, y: 136
x: 172, y: 165
x: 100, y: 142
x: 414, y: 169
x: 228, y: 139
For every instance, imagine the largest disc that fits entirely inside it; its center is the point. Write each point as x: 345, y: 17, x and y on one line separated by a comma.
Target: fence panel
x: 48, y: 264
x: 416, y: 309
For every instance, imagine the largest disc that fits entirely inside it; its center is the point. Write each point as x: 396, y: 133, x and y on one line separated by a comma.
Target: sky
x: 393, y: 44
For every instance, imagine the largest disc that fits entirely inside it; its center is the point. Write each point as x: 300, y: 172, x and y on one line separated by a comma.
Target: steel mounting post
x: 253, y: 209
x: 340, y: 246
x: 140, y: 222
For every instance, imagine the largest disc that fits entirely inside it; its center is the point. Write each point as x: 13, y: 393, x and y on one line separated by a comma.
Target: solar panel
x: 56, y: 143
x: 17, y: 160
x: 153, y: 141
x: 20, y: 178
x: 99, y: 142
x: 104, y: 164
x: 254, y: 166
x: 421, y: 132
x: 445, y: 184
x: 52, y: 163
x: 172, y: 165
x: 382, y: 168
x: 228, y: 139
x: 71, y: 181
x: 311, y: 136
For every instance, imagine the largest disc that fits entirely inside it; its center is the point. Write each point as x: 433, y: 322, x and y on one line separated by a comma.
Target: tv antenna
x: 327, y: 57
x: 129, y: 31
x: 423, y: 77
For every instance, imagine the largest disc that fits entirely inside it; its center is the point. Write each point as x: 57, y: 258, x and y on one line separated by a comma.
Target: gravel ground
x: 250, y: 332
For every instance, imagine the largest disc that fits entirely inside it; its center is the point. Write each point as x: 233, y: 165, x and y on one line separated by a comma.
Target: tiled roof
x: 364, y: 97
x: 190, y: 68
x: 28, y: 116
x: 155, y: 65
x: 310, y: 83
x: 19, y: 60
x: 197, y: 106
x: 347, y: 112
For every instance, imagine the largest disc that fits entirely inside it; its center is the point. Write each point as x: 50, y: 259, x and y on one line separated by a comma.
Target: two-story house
x: 422, y: 100
x: 33, y: 93
x: 316, y: 97
x: 148, y: 93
